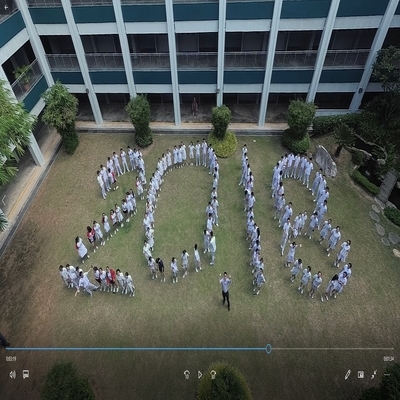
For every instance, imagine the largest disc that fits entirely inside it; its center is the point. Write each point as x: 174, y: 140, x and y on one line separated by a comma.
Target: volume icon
x: 13, y: 374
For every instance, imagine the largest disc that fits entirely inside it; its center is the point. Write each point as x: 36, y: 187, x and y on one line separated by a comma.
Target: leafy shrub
x: 220, y: 118
x: 325, y: 125
x: 71, y: 142
x: 357, y: 157
x: 223, y: 148
x: 300, y: 117
x: 64, y: 383
x: 138, y: 110
x: 363, y: 181
x: 229, y: 383
x: 295, y: 145
x: 392, y: 214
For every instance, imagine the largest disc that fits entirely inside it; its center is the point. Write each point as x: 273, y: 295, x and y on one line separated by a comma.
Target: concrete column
x: 80, y: 54
x: 169, y: 9
x: 221, y: 52
x: 35, y: 41
x: 273, y: 36
x: 376, y: 46
x: 124, y: 47
x: 35, y: 151
x: 34, y: 148
x: 322, y: 49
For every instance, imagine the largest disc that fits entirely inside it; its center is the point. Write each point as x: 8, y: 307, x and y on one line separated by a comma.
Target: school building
x: 247, y: 52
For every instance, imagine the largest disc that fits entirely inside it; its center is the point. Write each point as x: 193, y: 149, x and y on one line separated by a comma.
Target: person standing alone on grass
x: 225, y: 283
x: 212, y: 247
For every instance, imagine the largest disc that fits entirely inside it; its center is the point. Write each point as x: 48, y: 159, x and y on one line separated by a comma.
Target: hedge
x: 392, y: 214
x: 295, y: 145
x: 357, y: 157
x: 363, y: 181
x: 325, y: 125
x: 223, y: 148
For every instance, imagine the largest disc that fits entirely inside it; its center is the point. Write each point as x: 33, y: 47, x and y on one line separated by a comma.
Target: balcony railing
x: 348, y: 58
x: 63, y: 62
x: 8, y: 8
x: 197, y: 60
x: 44, y: 3
x: 155, y: 61
x: 22, y: 86
x: 91, y: 2
x: 334, y: 58
x: 247, y: 60
x: 105, y: 61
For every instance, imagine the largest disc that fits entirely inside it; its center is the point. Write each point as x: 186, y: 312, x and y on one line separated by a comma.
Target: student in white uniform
x: 321, y: 186
x: 185, y: 262
x: 106, y: 225
x: 305, y: 279
x: 98, y: 233
x: 121, y: 281
x: 280, y: 202
x: 291, y: 253
x: 151, y: 262
x: 81, y: 249
x: 333, y: 239
x: 124, y: 162
x: 209, y: 222
x: 179, y: 156
x: 150, y: 237
x: 297, y: 267
x: 215, y: 205
x: 325, y: 231
x: 139, y: 188
x: 212, y: 247
x: 175, y: 270
x: 321, y: 211
x: 315, y: 284
x: 307, y: 172
x: 342, y: 255
x: 146, y: 250
x: 103, y: 280
x: 198, y: 152
x: 169, y: 161
x: 110, y: 164
x: 287, y: 213
x: 130, y: 288
x: 296, y: 226
x: 103, y: 172
x: 117, y: 167
x: 206, y: 240
x: 73, y: 276
x: 316, y: 181
x: 296, y: 163
x: 285, y: 235
x: 303, y: 221
x: 259, y: 282
x: 183, y: 153
x: 131, y: 158
x: 84, y: 282
x: 348, y: 270
x: 312, y: 226
x: 330, y: 287
x: 197, y: 262
x: 339, y: 284
x: 64, y: 275
x: 191, y: 153
x: 120, y: 216
x: 204, y: 148
x: 101, y: 184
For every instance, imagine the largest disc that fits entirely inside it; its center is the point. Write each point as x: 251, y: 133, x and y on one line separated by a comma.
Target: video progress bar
x: 268, y: 349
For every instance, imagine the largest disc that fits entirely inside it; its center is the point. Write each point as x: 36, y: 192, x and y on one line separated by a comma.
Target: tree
x: 300, y: 117
x: 220, y: 118
x: 60, y: 113
x: 229, y: 383
x: 344, y: 136
x: 386, y: 69
x: 138, y: 110
x: 64, y: 383
x: 15, y: 135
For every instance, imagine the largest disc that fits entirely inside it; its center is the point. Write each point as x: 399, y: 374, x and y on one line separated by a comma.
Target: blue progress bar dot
x: 268, y: 348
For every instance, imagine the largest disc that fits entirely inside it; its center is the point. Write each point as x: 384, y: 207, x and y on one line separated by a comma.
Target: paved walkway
x: 184, y: 128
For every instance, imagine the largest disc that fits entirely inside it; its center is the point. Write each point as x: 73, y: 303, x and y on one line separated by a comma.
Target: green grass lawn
x: 38, y: 311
